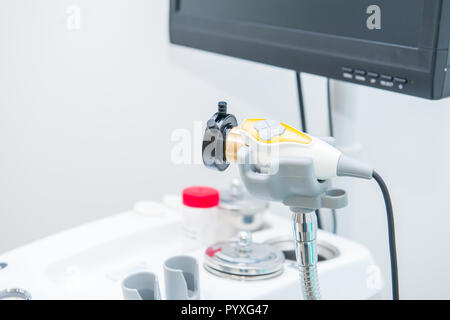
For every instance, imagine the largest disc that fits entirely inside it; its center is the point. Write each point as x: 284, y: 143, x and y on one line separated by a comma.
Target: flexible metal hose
x: 310, y: 282
x: 305, y: 229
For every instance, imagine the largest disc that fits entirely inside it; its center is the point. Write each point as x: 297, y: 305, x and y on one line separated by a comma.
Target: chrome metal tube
x: 305, y: 232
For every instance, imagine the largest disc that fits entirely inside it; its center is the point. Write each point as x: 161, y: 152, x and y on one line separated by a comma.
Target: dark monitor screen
x: 346, y: 18
x: 396, y: 45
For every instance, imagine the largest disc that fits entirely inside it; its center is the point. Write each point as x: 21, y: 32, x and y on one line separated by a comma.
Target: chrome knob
x: 245, y: 241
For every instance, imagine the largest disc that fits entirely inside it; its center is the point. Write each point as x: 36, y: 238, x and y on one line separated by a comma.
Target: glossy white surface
x: 88, y: 262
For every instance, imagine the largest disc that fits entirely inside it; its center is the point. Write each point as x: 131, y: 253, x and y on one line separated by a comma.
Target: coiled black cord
x: 391, y: 232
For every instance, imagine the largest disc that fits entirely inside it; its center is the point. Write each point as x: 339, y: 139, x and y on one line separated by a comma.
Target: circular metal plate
x: 222, y: 274
x: 244, y: 260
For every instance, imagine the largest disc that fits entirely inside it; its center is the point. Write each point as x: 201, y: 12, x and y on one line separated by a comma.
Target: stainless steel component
x: 244, y: 259
x: 305, y: 233
x: 15, y: 294
x: 238, y: 211
x: 286, y: 245
x: 222, y: 274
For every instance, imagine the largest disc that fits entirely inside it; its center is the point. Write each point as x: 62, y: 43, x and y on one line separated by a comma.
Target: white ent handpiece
x: 270, y: 139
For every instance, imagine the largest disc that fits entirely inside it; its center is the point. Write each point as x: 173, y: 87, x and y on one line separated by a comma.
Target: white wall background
x: 86, y: 118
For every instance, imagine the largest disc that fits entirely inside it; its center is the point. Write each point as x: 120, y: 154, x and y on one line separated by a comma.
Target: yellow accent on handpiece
x: 289, y: 135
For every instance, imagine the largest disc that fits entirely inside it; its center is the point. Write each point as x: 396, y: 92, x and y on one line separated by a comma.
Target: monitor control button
x: 400, y: 80
x: 347, y: 75
x: 388, y: 84
x: 347, y: 69
x: 386, y: 77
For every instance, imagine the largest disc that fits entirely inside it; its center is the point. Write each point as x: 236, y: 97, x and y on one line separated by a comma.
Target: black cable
x: 334, y: 217
x: 301, y: 107
x: 300, y: 102
x: 330, y: 115
x: 331, y: 129
x: 391, y: 232
x: 319, y: 220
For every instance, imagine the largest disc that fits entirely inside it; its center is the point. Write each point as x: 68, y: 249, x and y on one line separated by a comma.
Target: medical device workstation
x: 272, y: 232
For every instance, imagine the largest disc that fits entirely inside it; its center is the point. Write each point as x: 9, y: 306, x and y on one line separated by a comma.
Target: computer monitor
x: 400, y: 45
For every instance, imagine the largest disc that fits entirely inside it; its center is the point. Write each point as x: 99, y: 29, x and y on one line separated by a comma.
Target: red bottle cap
x: 200, y: 197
